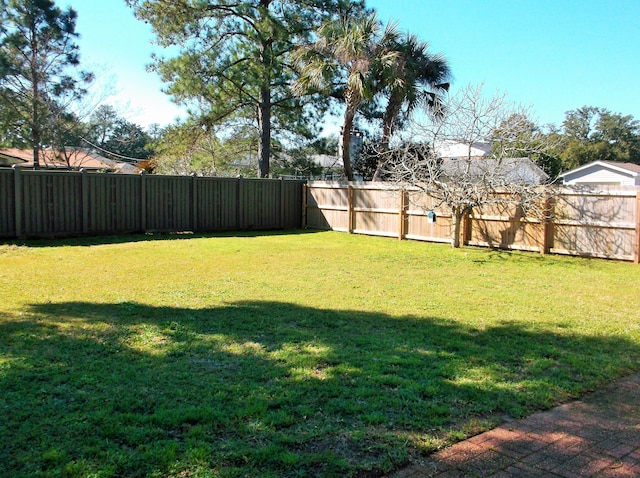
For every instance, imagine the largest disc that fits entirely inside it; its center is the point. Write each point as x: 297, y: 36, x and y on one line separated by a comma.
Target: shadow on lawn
x: 151, y: 236
x: 267, y: 389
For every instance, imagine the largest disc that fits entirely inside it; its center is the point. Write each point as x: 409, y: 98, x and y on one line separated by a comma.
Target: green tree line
x: 259, y: 79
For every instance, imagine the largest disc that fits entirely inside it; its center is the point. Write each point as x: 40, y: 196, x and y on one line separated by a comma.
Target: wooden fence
x: 54, y: 203
x: 592, y: 223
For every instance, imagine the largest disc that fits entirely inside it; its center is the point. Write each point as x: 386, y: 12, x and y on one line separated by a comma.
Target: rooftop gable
x: 629, y: 169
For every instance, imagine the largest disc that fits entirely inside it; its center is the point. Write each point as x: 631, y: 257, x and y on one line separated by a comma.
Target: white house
x: 610, y: 173
x: 455, y: 149
x: 499, y: 171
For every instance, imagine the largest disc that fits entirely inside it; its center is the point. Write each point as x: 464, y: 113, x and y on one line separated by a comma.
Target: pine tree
x: 39, y: 76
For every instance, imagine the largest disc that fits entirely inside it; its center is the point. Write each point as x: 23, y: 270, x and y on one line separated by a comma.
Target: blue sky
x: 552, y: 55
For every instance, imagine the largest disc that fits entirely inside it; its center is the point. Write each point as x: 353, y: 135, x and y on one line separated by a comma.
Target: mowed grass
x: 289, y: 354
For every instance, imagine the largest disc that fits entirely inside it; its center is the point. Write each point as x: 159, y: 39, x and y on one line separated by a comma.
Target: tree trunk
x: 384, y: 148
x: 347, y: 126
x: 36, y: 137
x: 264, y: 106
x: 457, y: 214
x: 264, y: 126
x: 390, y: 115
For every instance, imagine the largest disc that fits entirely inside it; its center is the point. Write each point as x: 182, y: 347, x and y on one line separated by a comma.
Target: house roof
x: 76, y: 158
x: 8, y: 159
x: 456, y: 149
x: 505, y: 170
x: 326, y: 160
x: 629, y: 169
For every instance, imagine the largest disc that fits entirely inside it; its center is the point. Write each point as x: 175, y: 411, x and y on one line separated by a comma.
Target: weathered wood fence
x: 591, y: 223
x: 55, y: 203
x: 602, y: 223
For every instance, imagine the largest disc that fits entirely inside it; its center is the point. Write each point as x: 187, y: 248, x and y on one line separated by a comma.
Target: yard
x: 289, y: 354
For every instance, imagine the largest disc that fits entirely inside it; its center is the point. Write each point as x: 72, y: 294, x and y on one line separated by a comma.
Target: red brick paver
x: 597, y: 436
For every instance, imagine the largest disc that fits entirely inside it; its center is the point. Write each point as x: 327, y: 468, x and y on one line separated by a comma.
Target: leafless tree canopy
x: 505, y: 175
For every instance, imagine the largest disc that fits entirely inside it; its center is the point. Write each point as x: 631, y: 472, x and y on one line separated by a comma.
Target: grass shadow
x: 268, y: 388
x: 148, y: 237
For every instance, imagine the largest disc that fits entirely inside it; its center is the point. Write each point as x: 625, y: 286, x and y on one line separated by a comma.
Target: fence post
x: 194, y: 203
x: 402, y: 216
x: 282, y: 211
x: 85, y: 201
x: 636, y: 258
x: 304, y: 205
x: 143, y: 200
x: 239, y: 211
x: 350, y: 205
x: 547, y: 225
x: 17, y: 200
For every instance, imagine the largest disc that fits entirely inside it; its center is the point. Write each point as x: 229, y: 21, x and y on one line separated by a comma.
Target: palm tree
x: 416, y: 78
x: 352, y: 50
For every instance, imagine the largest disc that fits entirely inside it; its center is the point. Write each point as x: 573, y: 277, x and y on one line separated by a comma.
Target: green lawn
x: 292, y: 354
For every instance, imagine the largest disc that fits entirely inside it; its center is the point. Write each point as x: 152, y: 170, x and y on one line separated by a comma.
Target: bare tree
x: 504, y: 175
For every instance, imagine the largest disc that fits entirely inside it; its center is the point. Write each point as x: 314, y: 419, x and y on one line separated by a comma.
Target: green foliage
x: 128, y: 141
x: 177, y: 356
x: 587, y: 134
x: 414, y: 79
x: 14, y: 127
x: 325, y: 145
x: 233, y: 61
x: 368, y: 66
x: 365, y: 164
x: 593, y: 134
x: 518, y: 136
x: 187, y: 148
x: 102, y: 124
x: 346, y: 60
x: 114, y: 137
x: 39, y: 79
x: 298, y: 162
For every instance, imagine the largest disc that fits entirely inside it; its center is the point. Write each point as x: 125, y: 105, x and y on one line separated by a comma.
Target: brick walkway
x: 597, y: 436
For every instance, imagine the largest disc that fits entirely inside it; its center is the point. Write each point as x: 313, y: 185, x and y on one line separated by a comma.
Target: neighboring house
x: 456, y: 150
x: 610, y: 173
x: 332, y: 167
x: 497, y: 171
x: 7, y: 159
x: 72, y: 158
x: 476, y: 169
